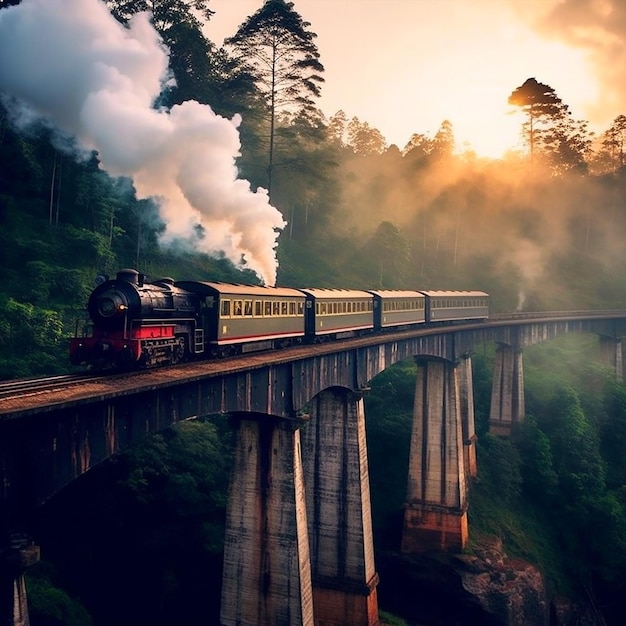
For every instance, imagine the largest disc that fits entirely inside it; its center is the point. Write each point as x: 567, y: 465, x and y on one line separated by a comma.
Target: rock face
x: 509, y: 589
x: 487, y: 587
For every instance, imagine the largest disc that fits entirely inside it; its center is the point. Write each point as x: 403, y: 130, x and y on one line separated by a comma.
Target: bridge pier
x: 16, y: 556
x: 339, y: 511
x: 466, y: 405
x: 612, y: 351
x: 435, y: 515
x: 267, y: 571
x: 507, y: 393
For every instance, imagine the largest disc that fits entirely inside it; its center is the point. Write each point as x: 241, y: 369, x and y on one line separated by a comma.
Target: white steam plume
x: 70, y: 64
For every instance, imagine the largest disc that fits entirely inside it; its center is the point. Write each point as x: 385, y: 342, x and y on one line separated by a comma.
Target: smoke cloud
x: 72, y: 66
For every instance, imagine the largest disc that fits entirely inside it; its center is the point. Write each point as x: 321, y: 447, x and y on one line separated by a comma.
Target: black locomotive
x: 135, y: 323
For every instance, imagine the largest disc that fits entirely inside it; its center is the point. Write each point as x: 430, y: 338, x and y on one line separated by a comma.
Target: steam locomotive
x: 134, y: 323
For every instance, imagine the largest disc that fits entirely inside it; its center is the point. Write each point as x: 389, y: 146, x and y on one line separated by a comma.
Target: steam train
x: 134, y: 323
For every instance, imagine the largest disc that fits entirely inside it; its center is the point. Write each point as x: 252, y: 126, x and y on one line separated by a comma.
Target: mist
x: 68, y: 64
x: 538, y: 241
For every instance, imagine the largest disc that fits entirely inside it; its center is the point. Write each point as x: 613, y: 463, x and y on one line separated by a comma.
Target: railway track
x: 30, y: 386
x: 18, y: 394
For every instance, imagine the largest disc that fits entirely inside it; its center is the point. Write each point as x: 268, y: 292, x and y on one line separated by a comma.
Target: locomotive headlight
x: 110, y: 304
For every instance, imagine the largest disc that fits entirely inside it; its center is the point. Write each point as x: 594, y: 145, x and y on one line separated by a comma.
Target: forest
x: 253, y: 183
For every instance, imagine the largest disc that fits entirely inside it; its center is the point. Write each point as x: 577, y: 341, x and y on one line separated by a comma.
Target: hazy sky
x: 404, y: 66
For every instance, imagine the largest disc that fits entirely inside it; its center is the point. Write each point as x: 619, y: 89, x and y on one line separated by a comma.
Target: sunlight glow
x: 440, y: 64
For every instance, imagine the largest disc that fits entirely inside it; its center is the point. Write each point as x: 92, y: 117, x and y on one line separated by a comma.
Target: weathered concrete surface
x: 339, y: 510
x: 466, y: 405
x: 267, y: 570
x: 435, y: 515
x: 507, y: 392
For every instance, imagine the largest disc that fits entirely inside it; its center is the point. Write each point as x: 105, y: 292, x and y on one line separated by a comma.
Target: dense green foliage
x: 139, y: 538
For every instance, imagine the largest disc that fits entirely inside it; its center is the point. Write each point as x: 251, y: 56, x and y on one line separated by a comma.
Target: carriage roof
x: 336, y: 294
x: 238, y: 290
x: 456, y: 294
x: 396, y: 293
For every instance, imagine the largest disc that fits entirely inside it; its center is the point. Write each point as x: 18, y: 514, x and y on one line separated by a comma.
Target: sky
x: 405, y: 66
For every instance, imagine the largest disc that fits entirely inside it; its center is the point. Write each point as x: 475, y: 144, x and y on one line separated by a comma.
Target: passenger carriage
x: 338, y: 313
x: 248, y: 318
x: 450, y: 306
x: 397, y: 308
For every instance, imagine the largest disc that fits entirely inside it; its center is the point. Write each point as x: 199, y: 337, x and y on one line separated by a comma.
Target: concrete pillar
x: 16, y: 556
x: 612, y: 354
x: 435, y: 515
x: 507, y: 393
x: 466, y: 403
x: 339, y: 511
x: 267, y: 570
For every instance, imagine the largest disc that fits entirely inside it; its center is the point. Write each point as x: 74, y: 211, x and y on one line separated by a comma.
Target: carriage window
x: 283, y: 308
x: 292, y: 308
x: 225, y: 308
x: 276, y: 308
x: 323, y: 308
x: 267, y: 308
x: 247, y: 308
x: 300, y: 308
x: 258, y: 308
x: 238, y: 308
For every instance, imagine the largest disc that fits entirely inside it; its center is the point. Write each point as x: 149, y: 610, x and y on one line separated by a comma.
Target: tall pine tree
x: 281, y: 56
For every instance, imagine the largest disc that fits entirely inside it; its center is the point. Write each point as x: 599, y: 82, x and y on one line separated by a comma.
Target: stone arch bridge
x: 298, y: 545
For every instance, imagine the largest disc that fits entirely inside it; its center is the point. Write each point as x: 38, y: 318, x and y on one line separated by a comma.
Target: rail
x: 539, y: 315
